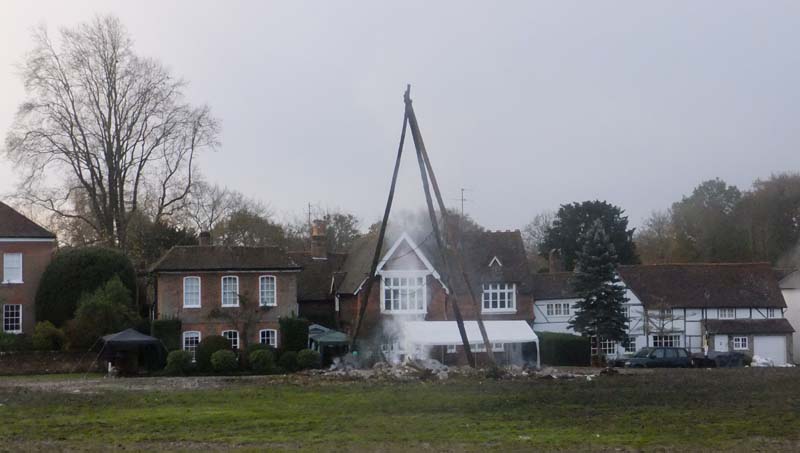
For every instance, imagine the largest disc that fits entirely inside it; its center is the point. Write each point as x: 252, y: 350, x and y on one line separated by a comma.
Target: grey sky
x: 527, y: 105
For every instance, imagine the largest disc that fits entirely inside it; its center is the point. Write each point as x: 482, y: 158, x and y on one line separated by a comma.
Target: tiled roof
x: 479, y: 248
x: 314, y: 281
x: 704, y: 285
x: 555, y: 285
x: 15, y: 225
x: 749, y: 326
x: 223, y: 258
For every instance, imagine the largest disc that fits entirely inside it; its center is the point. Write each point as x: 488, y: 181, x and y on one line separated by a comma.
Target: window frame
x: 511, y: 303
x: 556, y: 309
x: 222, y: 291
x: 626, y: 311
x: 772, y: 313
x: 231, y: 340
x: 674, y: 339
x: 18, y: 320
x: 606, y: 346
x: 731, y: 311
x: 391, y: 286
x: 193, y: 351
x: 261, y: 290
x: 6, y: 280
x: 451, y: 349
x: 743, y: 343
x: 274, y: 335
x: 199, y: 291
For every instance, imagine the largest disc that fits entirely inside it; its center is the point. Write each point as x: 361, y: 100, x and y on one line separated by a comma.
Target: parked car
x: 660, y: 358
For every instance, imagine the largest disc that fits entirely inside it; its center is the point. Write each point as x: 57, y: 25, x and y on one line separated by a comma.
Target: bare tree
x: 655, y: 241
x: 534, y: 234
x: 103, y: 125
x: 662, y: 320
x: 207, y: 205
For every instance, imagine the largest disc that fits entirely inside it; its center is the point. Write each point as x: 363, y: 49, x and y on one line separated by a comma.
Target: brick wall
x: 35, y: 258
x: 438, y: 310
x: 203, y: 319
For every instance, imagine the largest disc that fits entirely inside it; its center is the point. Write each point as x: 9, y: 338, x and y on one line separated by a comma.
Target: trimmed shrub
x: 262, y: 361
x: 224, y: 361
x: 75, y: 272
x: 563, y: 349
x: 179, y: 363
x: 207, y: 347
x: 307, y: 359
x: 288, y: 361
x: 294, y: 333
x: 168, y: 331
x: 105, y: 311
x: 47, y: 337
x: 14, y: 342
x: 252, y: 347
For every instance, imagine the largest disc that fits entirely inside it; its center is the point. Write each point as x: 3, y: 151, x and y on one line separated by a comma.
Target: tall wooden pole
x: 427, y: 168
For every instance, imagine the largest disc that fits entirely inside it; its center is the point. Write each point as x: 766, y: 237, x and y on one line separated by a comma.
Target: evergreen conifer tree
x: 599, y: 312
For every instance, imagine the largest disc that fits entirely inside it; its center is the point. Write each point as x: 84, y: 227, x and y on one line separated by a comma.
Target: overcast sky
x: 526, y: 105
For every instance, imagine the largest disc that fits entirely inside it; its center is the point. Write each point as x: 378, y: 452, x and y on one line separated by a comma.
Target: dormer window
x: 499, y: 298
x: 403, y: 293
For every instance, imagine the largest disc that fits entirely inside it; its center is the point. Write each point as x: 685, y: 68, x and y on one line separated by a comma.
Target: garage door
x: 773, y: 348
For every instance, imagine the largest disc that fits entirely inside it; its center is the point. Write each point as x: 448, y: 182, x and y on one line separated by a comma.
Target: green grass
x: 746, y: 408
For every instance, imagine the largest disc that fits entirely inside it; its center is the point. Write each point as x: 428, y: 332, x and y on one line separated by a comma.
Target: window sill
x: 499, y: 311
x: 398, y: 312
x: 192, y: 306
x: 268, y: 305
x: 12, y: 283
x: 230, y: 306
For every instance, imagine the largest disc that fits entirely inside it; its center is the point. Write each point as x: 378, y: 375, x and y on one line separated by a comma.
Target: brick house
x: 237, y: 292
x: 315, y: 295
x: 26, y: 249
x: 409, y: 309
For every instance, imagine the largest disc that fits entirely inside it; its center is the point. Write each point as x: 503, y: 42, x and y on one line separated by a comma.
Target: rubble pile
x: 409, y: 369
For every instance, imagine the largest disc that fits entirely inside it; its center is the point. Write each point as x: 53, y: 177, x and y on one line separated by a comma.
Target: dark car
x: 660, y: 358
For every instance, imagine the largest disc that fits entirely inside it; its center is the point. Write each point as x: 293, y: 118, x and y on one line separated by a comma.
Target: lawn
x: 676, y: 409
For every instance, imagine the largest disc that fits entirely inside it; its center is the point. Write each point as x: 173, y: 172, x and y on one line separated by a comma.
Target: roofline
x: 28, y: 239
x: 726, y: 264
x: 227, y: 269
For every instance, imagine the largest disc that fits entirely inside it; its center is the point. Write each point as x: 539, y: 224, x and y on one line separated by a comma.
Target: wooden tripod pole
x: 363, y: 297
x: 426, y: 171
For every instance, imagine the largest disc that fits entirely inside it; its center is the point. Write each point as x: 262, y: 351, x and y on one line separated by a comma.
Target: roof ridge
x: 727, y: 263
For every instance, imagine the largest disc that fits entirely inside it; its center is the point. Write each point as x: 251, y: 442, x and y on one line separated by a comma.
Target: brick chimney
x: 319, y: 240
x: 204, y: 238
x: 554, y: 262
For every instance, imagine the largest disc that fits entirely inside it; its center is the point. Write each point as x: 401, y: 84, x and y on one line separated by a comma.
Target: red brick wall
x: 35, y: 258
x: 170, y: 303
x: 437, y: 309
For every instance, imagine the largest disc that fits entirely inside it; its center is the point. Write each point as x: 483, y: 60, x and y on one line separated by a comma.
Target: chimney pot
x: 554, y: 261
x: 319, y: 240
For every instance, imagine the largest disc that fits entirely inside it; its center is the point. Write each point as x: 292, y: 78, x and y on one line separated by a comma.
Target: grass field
x: 674, y: 409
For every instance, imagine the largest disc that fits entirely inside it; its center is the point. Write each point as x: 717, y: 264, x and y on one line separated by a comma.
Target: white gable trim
x: 414, y: 248
x: 495, y: 260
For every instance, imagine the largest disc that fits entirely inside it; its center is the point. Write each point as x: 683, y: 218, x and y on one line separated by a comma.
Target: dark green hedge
x: 75, y: 272
x: 294, y: 333
x: 168, y: 331
x: 562, y: 349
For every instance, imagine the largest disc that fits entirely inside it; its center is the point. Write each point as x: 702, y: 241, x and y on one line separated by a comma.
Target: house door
x: 721, y: 343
